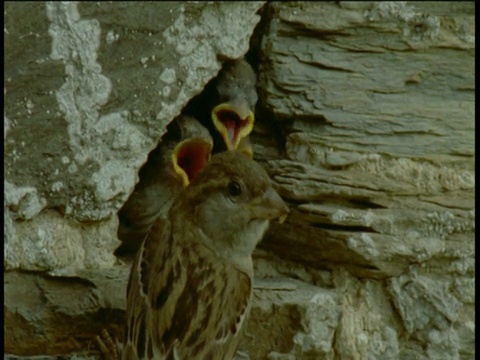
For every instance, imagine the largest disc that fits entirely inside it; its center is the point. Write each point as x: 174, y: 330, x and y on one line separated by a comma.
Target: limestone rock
x: 99, y: 84
x: 365, y: 122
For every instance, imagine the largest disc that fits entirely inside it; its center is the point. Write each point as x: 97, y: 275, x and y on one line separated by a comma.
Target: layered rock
x: 365, y: 122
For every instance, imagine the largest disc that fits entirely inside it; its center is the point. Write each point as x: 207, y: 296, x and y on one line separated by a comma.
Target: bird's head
x: 232, y: 201
x: 234, y: 121
x: 189, y: 157
x: 186, y: 126
x: 236, y: 99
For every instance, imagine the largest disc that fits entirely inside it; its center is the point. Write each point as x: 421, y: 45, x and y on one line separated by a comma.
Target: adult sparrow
x: 234, y: 103
x: 185, y: 150
x: 190, y: 285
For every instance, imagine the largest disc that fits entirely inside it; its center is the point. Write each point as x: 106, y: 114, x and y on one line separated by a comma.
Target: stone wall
x: 365, y: 122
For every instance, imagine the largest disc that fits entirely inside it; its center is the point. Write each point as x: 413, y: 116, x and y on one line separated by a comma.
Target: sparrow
x: 181, y: 155
x: 190, y: 285
x: 226, y: 106
x: 234, y: 101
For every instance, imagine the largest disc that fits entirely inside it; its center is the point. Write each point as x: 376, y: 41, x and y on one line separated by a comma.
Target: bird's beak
x: 270, y: 206
x: 189, y: 157
x: 234, y: 121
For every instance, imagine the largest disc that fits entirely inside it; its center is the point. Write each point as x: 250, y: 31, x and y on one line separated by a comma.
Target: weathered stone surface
x: 376, y: 105
x: 355, y: 218
x: 291, y: 318
x: 288, y: 315
x: 114, y: 84
x: 60, y: 315
x: 90, y: 88
x: 49, y: 242
x: 365, y: 122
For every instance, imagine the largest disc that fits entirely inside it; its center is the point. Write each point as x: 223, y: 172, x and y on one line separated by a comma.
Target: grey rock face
x: 365, y: 122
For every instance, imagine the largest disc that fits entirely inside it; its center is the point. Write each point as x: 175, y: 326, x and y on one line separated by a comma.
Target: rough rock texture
x: 98, y: 83
x: 376, y: 102
x: 365, y: 122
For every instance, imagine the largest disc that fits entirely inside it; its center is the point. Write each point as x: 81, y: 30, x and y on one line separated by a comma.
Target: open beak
x: 189, y: 157
x: 234, y: 121
x: 270, y: 206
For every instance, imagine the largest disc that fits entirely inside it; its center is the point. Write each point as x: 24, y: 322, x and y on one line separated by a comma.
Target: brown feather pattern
x: 189, y: 290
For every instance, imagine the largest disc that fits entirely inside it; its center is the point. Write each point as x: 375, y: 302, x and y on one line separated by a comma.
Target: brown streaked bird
x: 234, y: 104
x: 190, y: 285
x: 185, y: 150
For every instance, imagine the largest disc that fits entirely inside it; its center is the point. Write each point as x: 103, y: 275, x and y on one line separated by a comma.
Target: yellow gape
x: 189, y: 157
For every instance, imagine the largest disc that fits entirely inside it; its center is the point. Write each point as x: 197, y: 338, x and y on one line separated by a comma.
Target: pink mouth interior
x: 192, y: 158
x: 232, y: 122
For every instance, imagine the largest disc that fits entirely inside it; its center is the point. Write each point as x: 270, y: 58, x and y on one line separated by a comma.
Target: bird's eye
x: 234, y: 188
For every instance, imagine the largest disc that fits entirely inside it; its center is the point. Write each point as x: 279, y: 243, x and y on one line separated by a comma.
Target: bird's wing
x: 138, y: 340
x: 151, y: 199
x: 181, y: 301
x: 197, y: 307
x: 210, y: 310
x: 235, y: 306
x: 176, y: 299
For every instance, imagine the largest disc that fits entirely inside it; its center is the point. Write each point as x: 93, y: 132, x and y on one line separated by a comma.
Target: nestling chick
x: 168, y: 171
x: 234, y: 105
x: 190, y: 286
